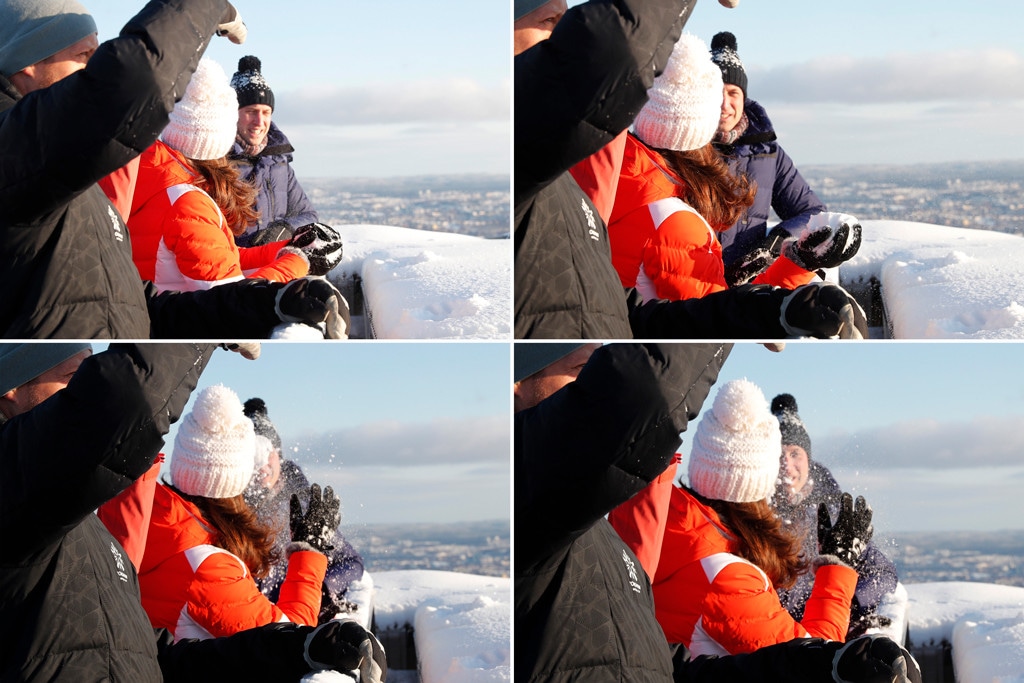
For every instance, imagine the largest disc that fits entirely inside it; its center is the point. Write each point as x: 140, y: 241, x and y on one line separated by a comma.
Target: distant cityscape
x: 985, y: 196
x: 470, y: 205
x: 482, y: 548
x: 986, y: 557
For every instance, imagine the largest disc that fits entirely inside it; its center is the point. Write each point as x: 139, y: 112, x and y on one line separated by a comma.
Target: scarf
x: 730, y: 137
x: 254, y: 150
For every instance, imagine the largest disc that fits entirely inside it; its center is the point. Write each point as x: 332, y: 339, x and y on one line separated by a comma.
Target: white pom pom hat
x: 204, y: 122
x: 685, y: 102
x: 215, y: 449
x: 736, y: 451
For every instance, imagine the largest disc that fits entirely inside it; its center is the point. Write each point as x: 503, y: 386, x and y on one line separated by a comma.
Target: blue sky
x: 385, y: 88
x: 882, y: 82
x: 405, y: 432
x: 929, y: 433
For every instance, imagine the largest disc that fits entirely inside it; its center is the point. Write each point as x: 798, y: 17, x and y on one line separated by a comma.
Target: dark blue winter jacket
x: 779, y: 185
x: 278, y: 193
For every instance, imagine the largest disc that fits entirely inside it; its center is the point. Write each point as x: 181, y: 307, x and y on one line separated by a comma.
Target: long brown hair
x: 762, y: 539
x: 235, y: 197
x: 711, y: 188
x: 238, y: 530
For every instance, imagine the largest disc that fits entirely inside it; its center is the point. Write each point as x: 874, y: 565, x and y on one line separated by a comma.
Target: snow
x: 943, y: 283
x: 418, y: 284
x: 462, y: 622
x: 984, y: 623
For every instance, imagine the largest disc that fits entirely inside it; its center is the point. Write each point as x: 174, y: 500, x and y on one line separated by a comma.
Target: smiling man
x: 263, y: 155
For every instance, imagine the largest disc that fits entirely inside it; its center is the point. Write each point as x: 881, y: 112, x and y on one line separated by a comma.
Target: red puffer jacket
x: 179, y: 237
x: 715, y: 602
x: 661, y: 245
x: 198, y: 590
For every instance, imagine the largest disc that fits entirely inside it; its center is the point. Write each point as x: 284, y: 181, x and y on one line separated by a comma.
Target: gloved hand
x: 745, y: 269
x: 874, y: 659
x: 314, y: 300
x: 275, y: 232
x: 756, y: 261
x: 231, y: 25
x: 317, y: 526
x: 321, y: 244
x: 848, y: 538
x: 248, y: 350
x: 828, y: 240
x: 344, y: 645
x: 823, y: 310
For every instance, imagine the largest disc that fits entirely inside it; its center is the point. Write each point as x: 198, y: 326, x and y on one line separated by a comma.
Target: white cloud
x: 934, y: 444
x: 474, y: 441
x: 994, y: 74
x: 454, y: 100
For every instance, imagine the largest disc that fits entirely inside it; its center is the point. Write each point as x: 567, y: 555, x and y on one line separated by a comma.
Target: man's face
x: 30, y: 394
x: 55, y: 68
x: 529, y: 392
x: 271, y: 472
x: 254, y: 123
x: 536, y: 26
x: 795, y: 467
x: 732, y: 108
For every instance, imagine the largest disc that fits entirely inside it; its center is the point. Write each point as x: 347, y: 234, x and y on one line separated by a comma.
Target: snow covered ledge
x: 937, y: 282
x: 984, y: 624
x: 460, y: 625
x: 416, y: 284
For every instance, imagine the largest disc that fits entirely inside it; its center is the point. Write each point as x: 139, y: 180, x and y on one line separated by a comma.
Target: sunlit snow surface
x: 428, y: 285
x: 984, y: 622
x: 944, y: 283
x: 462, y: 622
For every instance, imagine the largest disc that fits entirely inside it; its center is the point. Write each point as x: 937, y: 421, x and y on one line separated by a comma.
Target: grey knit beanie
x: 21, y: 363
x: 524, y: 7
x: 32, y: 30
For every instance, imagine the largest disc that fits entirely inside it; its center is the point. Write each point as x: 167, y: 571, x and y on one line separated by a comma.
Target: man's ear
x: 6, y: 401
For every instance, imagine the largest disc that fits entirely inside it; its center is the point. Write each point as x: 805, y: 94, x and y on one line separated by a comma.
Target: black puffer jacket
x: 583, y: 604
x: 69, y: 598
x: 65, y: 260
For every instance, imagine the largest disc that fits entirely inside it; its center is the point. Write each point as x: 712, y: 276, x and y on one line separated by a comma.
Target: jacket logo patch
x: 591, y: 223
x: 119, y: 561
x: 634, y: 581
x: 115, y: 221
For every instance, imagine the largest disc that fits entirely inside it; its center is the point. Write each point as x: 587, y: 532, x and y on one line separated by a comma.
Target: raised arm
x: 602, y: 438
x: 69, y: 135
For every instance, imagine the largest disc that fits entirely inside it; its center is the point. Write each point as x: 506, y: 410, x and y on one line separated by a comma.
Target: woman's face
x: 795, y: 468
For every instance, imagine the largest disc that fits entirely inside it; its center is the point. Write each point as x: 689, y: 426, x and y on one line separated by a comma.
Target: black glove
x: 756, y: 261
x: 848, y: 538
x: 232, y: 26
x: 874, y: 659
x: 749, y: 266
x: 344, y: 645
x: 248, y: 350
x: 313, y: 300
x: 277, y: 231
x: 822, y: 244
x: 317, y: 526
x: 321, y: 244
x: 824, y: 310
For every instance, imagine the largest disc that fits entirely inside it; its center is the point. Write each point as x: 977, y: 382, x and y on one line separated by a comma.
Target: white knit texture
x: 215, y: 448
x: 204, y: 123
x: 737, y: 448
x: 685, y: 102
